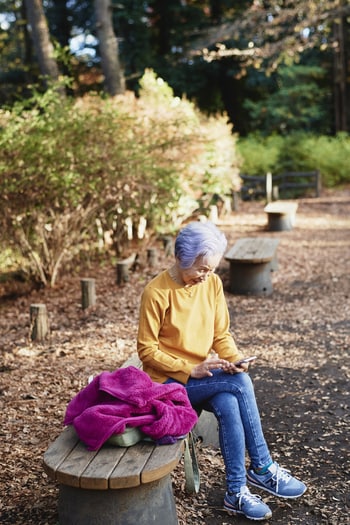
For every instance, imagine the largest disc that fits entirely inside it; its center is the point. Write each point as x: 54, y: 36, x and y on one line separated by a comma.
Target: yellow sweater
x: 179, y: 327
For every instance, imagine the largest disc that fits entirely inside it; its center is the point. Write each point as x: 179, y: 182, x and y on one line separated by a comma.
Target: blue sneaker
x: 249, y: 505
x: 277, y: 481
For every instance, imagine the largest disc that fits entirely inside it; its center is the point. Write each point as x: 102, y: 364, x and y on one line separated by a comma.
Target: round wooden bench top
x: 281, y: 207
x: 252, y: 250
x: 68, y: 461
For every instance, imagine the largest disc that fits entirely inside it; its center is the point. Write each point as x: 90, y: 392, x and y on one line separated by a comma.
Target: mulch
x: 300, y: 333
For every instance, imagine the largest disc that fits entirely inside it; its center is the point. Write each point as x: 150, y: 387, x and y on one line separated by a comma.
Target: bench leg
x: 279, y: 222
x: 152, y: 503
x: 274, y: 264
x: 249, y: 279
x: 207, y: 430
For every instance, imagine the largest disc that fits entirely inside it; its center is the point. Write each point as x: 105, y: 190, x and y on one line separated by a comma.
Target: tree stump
x: 88, y: 293
x: 38, y: 322
x: 152, y: 257
x: 168, y: 245
x: 123, y: 269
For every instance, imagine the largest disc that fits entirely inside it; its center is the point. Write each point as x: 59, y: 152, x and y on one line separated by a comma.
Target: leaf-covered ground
x: 301, y: 335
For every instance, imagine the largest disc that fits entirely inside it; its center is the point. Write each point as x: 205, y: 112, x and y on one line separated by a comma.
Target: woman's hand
x: 231, y: 368
x: 211, y: 363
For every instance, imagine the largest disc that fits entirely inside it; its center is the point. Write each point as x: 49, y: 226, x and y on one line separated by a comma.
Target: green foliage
x: 296, y: 102
x: 8, y: 259
x: 271, y: 66
x: 298, y: 152
x: 274, y: 73
x: 329, y: 155
x: 259, y: 154
x: 68, y: 165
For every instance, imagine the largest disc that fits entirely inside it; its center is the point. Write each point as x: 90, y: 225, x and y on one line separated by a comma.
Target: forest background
x: 119, y: 119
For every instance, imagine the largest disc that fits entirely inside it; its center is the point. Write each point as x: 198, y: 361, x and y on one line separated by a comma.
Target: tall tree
x: 341, y: 31
x: 41, y: 41
x: 114, y: 78
x: 60, y: 19
x: 270, y: 32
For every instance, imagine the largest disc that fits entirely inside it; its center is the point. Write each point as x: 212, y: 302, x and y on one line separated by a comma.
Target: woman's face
x: 201, y: 269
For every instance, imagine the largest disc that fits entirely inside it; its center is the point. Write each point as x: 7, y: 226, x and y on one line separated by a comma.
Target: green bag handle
x: 192, y: 473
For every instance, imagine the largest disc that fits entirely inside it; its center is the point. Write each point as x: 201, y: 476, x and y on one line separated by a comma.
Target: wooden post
x: 318, y: 183
x: 275, y: 193
x: 213, y: 213
x: 88, y: 293
x: 122, y: 272
x: 268, y: 187
x: 152, y: 257
x: 38, y: 322
x: 235, y: 201
x: 123, y: 269
x: 168, y: 245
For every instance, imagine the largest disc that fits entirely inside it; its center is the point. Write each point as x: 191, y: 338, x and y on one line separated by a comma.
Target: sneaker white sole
x: 240, y: 513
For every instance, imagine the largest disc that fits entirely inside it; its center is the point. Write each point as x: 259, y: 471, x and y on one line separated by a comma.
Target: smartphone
x: 245, y: 360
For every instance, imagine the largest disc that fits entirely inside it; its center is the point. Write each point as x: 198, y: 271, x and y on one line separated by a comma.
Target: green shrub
x: 69, y: 166
x: 259, y: 154
x: 331, y: 156
x: 297, y: 152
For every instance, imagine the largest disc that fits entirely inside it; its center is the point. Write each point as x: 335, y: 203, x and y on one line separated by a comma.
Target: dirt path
x: 301, y: 335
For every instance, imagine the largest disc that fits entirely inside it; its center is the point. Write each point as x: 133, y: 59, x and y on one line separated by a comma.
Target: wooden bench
x: 116, y: 485
x: 281, y: 215
x: 251, y: 261
x: 113, y: 485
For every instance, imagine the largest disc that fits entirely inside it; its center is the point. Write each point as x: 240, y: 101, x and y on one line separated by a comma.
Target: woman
x: 184, y: 337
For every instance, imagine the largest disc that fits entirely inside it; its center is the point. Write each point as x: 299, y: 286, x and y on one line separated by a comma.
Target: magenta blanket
x: 128, y: 397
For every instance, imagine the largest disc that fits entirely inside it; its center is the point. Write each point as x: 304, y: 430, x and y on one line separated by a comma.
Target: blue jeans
x: 231, y: 398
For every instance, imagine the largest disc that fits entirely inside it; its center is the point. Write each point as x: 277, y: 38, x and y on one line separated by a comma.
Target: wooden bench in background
x: 281, y: 215
x: 118, y: 485
x: 251, y: 261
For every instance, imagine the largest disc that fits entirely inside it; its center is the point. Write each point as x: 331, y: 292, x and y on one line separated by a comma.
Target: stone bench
x: 251, y: 261
x: 281, y: 215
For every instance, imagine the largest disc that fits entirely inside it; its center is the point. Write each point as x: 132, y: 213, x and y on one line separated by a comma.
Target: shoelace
x: 253, y: 499
x: 281, y: 474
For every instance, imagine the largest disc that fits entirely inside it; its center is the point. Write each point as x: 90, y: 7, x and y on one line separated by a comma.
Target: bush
x: 259, y: 154
x: 297, y: 152
x: 66, y: 166
x: 331, y: 156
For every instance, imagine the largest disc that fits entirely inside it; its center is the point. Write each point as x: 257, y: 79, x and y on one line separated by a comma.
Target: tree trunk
x: 114, y: 78
x: 41, y: 40
x: 340, y: 75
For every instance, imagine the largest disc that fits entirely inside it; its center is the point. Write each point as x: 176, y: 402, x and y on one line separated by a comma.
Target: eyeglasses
x: 203, y: 270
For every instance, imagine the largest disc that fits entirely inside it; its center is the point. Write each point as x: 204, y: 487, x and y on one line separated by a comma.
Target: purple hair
x: 198, y: 239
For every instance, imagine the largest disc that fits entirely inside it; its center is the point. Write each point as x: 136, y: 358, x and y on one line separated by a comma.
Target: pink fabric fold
x: 128, y: 397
